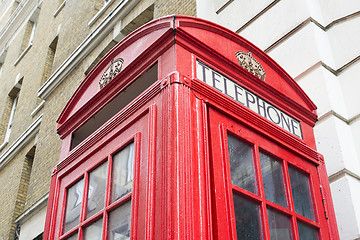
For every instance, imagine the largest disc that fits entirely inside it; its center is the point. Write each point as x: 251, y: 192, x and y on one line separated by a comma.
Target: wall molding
x: 33, y: 209
x: 17, y: 19
x: 29, y: 134
x: 256, y: 16
x: 339, y: 116
x: 101, y: 12
x: 62, y: 5
x: 86, y: 47
x: 38, y: 108
x: 341, y: 174
x: 305, y: 23
x: 224, y: 6
x: 22, y: 54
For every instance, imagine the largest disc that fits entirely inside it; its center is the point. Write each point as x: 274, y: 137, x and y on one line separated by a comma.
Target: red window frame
x: 222, y: 194
x: 108, y: 206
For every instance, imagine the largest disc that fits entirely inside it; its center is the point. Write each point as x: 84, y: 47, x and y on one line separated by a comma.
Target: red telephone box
x: 185, y: 130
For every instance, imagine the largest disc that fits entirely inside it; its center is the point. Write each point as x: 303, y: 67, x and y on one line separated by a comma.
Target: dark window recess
x: 115, y: 105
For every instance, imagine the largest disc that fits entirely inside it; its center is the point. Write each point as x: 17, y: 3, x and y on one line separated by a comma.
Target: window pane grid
x: 96, y: 189
x: 73, y: 203
x: 259, y: 177
x: 301, y: 192
x: 84, y: 201
x: 286, y: 210
x: 308, y: 221
x: 242, y: 164
x: 307, y: 232
x: 273, y: 179
x: 70, y: 234
x: 101, y: 215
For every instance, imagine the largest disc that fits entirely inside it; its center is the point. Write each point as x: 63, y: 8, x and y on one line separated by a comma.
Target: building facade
x: 48, y: 47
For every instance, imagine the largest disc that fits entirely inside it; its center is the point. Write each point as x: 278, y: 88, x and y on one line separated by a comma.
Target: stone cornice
x: 21, y: 142
x: 21, y: 14
x: 32, y: 210
x: 88, y: 45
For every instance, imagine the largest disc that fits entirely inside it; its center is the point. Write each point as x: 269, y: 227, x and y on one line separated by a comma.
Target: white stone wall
x: 318, y: 43
x: 33, y: 226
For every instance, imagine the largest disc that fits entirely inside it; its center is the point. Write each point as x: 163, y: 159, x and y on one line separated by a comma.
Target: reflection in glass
x: 241, y: 164
x: 123, y: 163
x: 73, y: 237
x: 73, y: 205
x: 306, y: 232
x: 273, y: 180
x: 119, y: 222
x: 280, y: 226
x: 300, y: 187
x: 247, y: 217
x: 96, y: 191
x: 94, y: 230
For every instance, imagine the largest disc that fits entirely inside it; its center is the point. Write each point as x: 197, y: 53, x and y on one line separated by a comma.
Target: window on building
x: 9, y: 112
x: 29, y: 32
x: 11, y: 117
x: 49, y: 60
x: 1, y: 69
x: 144, y: 17
x: 22, y: 193
x: 2, y: 60
x: 28, y: 36
x: 105, y: 195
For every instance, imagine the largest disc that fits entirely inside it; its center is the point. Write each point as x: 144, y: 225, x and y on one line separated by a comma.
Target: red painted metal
x: 182, y: 185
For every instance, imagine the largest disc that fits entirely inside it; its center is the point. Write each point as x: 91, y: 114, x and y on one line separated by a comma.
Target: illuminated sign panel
x: 247, y: 98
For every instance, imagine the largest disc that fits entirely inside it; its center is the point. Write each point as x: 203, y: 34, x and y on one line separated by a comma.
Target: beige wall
x: 74, y: 23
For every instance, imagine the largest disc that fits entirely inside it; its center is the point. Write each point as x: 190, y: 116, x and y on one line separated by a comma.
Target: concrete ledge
x: 28, y: 213
x: 23, y: 54
x: 85, y: 48
x: 21, y: 142
x: 60, y: 8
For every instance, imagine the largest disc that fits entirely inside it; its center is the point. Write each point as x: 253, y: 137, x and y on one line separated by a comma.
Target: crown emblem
x: 111, y: 71
x: 248, y: 62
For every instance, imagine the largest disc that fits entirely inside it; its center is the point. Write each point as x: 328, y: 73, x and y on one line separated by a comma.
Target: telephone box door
x: 262, y: 190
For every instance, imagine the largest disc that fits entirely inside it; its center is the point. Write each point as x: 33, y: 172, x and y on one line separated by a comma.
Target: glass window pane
x: 306, y: 232
x: 73, y: 237
x: 247, y: 217
x: 123, y: 163
x: 73, y: 205
x: 96, y: 191
x: 241, y: 164
x: 120, y: 222
x: 94, y: 230
x: 280, y: 226
x: 273, y: 180
x: 300, y: 187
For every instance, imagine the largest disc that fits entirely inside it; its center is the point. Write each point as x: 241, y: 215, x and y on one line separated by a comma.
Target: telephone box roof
x: 210, y: 42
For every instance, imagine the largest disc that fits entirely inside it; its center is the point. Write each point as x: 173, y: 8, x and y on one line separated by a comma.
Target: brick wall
x: 14, y: 180
x: 26, y: 38
x: 179, y: 7
x: 5, y: 118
